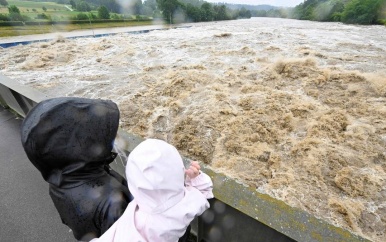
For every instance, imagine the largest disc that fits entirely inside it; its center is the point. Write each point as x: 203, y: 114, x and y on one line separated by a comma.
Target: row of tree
x: 346, y: 11
x: 172, y: 11
x: 15, y: 15
x: 352, y: 11
x: 196, y: 11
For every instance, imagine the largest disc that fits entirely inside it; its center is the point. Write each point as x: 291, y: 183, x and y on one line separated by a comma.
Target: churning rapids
x: 296, y: 109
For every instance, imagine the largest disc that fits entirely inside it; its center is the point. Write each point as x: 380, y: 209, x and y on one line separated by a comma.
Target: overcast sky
x: 279, y: 3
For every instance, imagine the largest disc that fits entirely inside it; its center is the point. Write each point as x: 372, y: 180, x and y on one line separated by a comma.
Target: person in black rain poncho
x: 70, y: 141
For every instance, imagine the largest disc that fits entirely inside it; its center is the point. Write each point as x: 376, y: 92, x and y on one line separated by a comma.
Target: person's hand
x: 194, y: 170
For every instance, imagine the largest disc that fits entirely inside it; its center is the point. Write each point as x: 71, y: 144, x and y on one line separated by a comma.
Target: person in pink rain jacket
x: 166, y: 196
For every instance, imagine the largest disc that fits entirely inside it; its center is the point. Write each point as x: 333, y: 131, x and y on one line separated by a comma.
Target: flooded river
x: 293, y: 108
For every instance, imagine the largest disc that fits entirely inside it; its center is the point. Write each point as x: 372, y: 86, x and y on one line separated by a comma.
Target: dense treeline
x: 346, y: 11
x: 173, y: 11
x: 197, y: 11
x: 272, y: 13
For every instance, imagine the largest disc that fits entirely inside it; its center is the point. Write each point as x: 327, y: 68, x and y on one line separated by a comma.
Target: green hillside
x: 32, y: 9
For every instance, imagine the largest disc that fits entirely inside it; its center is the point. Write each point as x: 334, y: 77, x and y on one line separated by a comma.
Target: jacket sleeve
x: 203, y: 183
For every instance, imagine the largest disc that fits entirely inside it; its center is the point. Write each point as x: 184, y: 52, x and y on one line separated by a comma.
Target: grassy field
x: 24, y: 5
x: 32, y: 9
x: 27, y: 30
x: 58, y: 12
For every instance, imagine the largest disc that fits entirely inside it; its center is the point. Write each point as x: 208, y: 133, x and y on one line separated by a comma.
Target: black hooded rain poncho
x: 70, y: 141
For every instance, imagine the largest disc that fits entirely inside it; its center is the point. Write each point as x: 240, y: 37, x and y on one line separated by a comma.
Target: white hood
x: 155, y: 175
x: 163, y: 207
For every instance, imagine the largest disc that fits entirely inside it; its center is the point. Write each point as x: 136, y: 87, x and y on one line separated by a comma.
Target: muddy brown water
x: 294, y: 108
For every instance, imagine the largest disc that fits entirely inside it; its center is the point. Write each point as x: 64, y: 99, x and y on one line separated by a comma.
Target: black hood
x: 69, y: 140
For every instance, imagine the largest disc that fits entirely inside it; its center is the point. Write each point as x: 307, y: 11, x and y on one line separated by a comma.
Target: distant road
x: 69, y: 8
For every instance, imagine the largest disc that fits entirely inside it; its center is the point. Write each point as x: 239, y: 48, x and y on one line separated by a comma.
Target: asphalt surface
x: 26, y: 210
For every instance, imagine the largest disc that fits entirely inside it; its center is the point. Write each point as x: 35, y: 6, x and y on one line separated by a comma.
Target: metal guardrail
x: 237, y: 213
